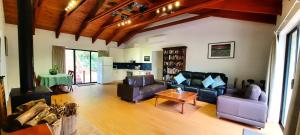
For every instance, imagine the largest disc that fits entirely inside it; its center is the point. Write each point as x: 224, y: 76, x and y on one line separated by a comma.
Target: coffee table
x: 181, y: 98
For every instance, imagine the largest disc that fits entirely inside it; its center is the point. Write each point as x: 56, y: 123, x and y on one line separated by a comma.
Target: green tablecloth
x: 52, y: 80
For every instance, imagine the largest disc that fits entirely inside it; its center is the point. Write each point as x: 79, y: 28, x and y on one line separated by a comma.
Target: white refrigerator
x: 105, y: 70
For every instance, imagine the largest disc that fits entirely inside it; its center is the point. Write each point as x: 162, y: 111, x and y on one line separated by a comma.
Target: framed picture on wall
x: 221, y: 50
x: 146, y: 58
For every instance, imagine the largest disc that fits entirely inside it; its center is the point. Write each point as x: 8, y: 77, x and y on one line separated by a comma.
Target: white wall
x: 2, y: 49
x: 43, y: 41
x: 251, y: 50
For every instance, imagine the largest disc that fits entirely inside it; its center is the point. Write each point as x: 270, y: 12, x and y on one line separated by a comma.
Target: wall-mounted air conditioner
x: 156, y: 39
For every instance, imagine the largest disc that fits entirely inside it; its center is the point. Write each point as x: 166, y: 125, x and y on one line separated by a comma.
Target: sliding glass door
x: 84, y: 65
x: 291, y: 60
x: 94, y: 66
x: 69, y: 61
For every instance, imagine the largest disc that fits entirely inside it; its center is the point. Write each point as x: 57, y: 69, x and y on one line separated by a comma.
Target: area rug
x: 249, y: 132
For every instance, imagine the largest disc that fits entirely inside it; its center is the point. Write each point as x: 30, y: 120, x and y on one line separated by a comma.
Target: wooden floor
x: 99, y: 105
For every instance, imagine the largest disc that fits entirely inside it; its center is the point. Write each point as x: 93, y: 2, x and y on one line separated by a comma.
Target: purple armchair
x: 249, y: 107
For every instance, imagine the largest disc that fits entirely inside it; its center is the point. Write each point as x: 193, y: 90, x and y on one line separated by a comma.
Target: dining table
x: 55, y: 82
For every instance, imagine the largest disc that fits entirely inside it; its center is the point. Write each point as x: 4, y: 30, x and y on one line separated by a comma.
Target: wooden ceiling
x: 95, y: 19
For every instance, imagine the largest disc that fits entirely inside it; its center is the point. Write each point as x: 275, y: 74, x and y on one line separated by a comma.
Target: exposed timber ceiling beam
x: 115, y: 8
x: 63, y: 17
x: 36, y: 11
x: 91, y: 14
x: 180, y: 12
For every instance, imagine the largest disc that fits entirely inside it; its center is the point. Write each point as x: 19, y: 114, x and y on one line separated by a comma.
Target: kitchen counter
x: 120, y: 74
x: 133, y: 70
x: 132, y: 66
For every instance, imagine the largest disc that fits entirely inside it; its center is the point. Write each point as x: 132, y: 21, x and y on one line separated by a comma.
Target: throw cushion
x: 196, y: 82
x: 187, y: 82
x: 208, y: 81
x: 148, y: 80
x: 253, y: 92
x: 179, y: 78
x: 218, y: 82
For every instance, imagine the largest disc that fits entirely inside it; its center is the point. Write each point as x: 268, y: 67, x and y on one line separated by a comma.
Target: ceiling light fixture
x: 157, y: 11
x: 170, y: 8
x: 71, y: 5
x: 177, y: 4
x: 164, y: 9
x: 124, y: 22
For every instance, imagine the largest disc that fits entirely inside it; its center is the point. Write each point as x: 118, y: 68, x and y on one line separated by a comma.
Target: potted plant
x: 54, y: 70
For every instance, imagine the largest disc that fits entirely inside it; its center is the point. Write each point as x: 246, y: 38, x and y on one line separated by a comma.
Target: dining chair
x: 36, y: 80
x: 71, y: 73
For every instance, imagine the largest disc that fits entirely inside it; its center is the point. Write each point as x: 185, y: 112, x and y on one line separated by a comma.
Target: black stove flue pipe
x: 25, y: 38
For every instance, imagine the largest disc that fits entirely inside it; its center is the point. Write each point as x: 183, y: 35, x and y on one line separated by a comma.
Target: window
x: 84, y: 63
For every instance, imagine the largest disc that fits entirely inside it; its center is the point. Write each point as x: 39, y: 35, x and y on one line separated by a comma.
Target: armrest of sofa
x: 172, y: 82
x: 244, y: 108
x: 127, y: 92
x: 221, y: 90
x: 165, y: 83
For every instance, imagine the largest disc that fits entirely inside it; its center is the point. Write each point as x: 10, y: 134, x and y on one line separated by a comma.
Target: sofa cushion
x: 148, y: 80
x: 196, y: 82
x: 175, y: 86
x: 192, y: 88
x: 214, y: 75
x: 208, y: 81
x: 179, y: 78
x: 207, y: 95
x: 187, y: 82
x: 150, y: 89
x: 135, y: 81
x: 217, y: 82
x: 199, y: 75
x: 253, y: 92
x: 187, y: 74
x: 263, y: 97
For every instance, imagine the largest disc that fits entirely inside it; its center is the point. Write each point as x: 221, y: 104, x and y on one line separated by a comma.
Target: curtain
x: 58, y: 58
x: 270, y: 69
x: 270, y: 72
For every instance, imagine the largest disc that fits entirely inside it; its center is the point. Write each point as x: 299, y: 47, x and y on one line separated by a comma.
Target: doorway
x: 83, y: 63
x: 157, y: 64
x: 291, y: 60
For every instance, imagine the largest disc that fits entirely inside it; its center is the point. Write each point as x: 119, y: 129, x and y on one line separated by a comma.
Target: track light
x: 125, y: 22
x: 170, y: 7
x: 157, y: 11
x: 164, y: 9
x: 71, y: 5
x: 177, y: 4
